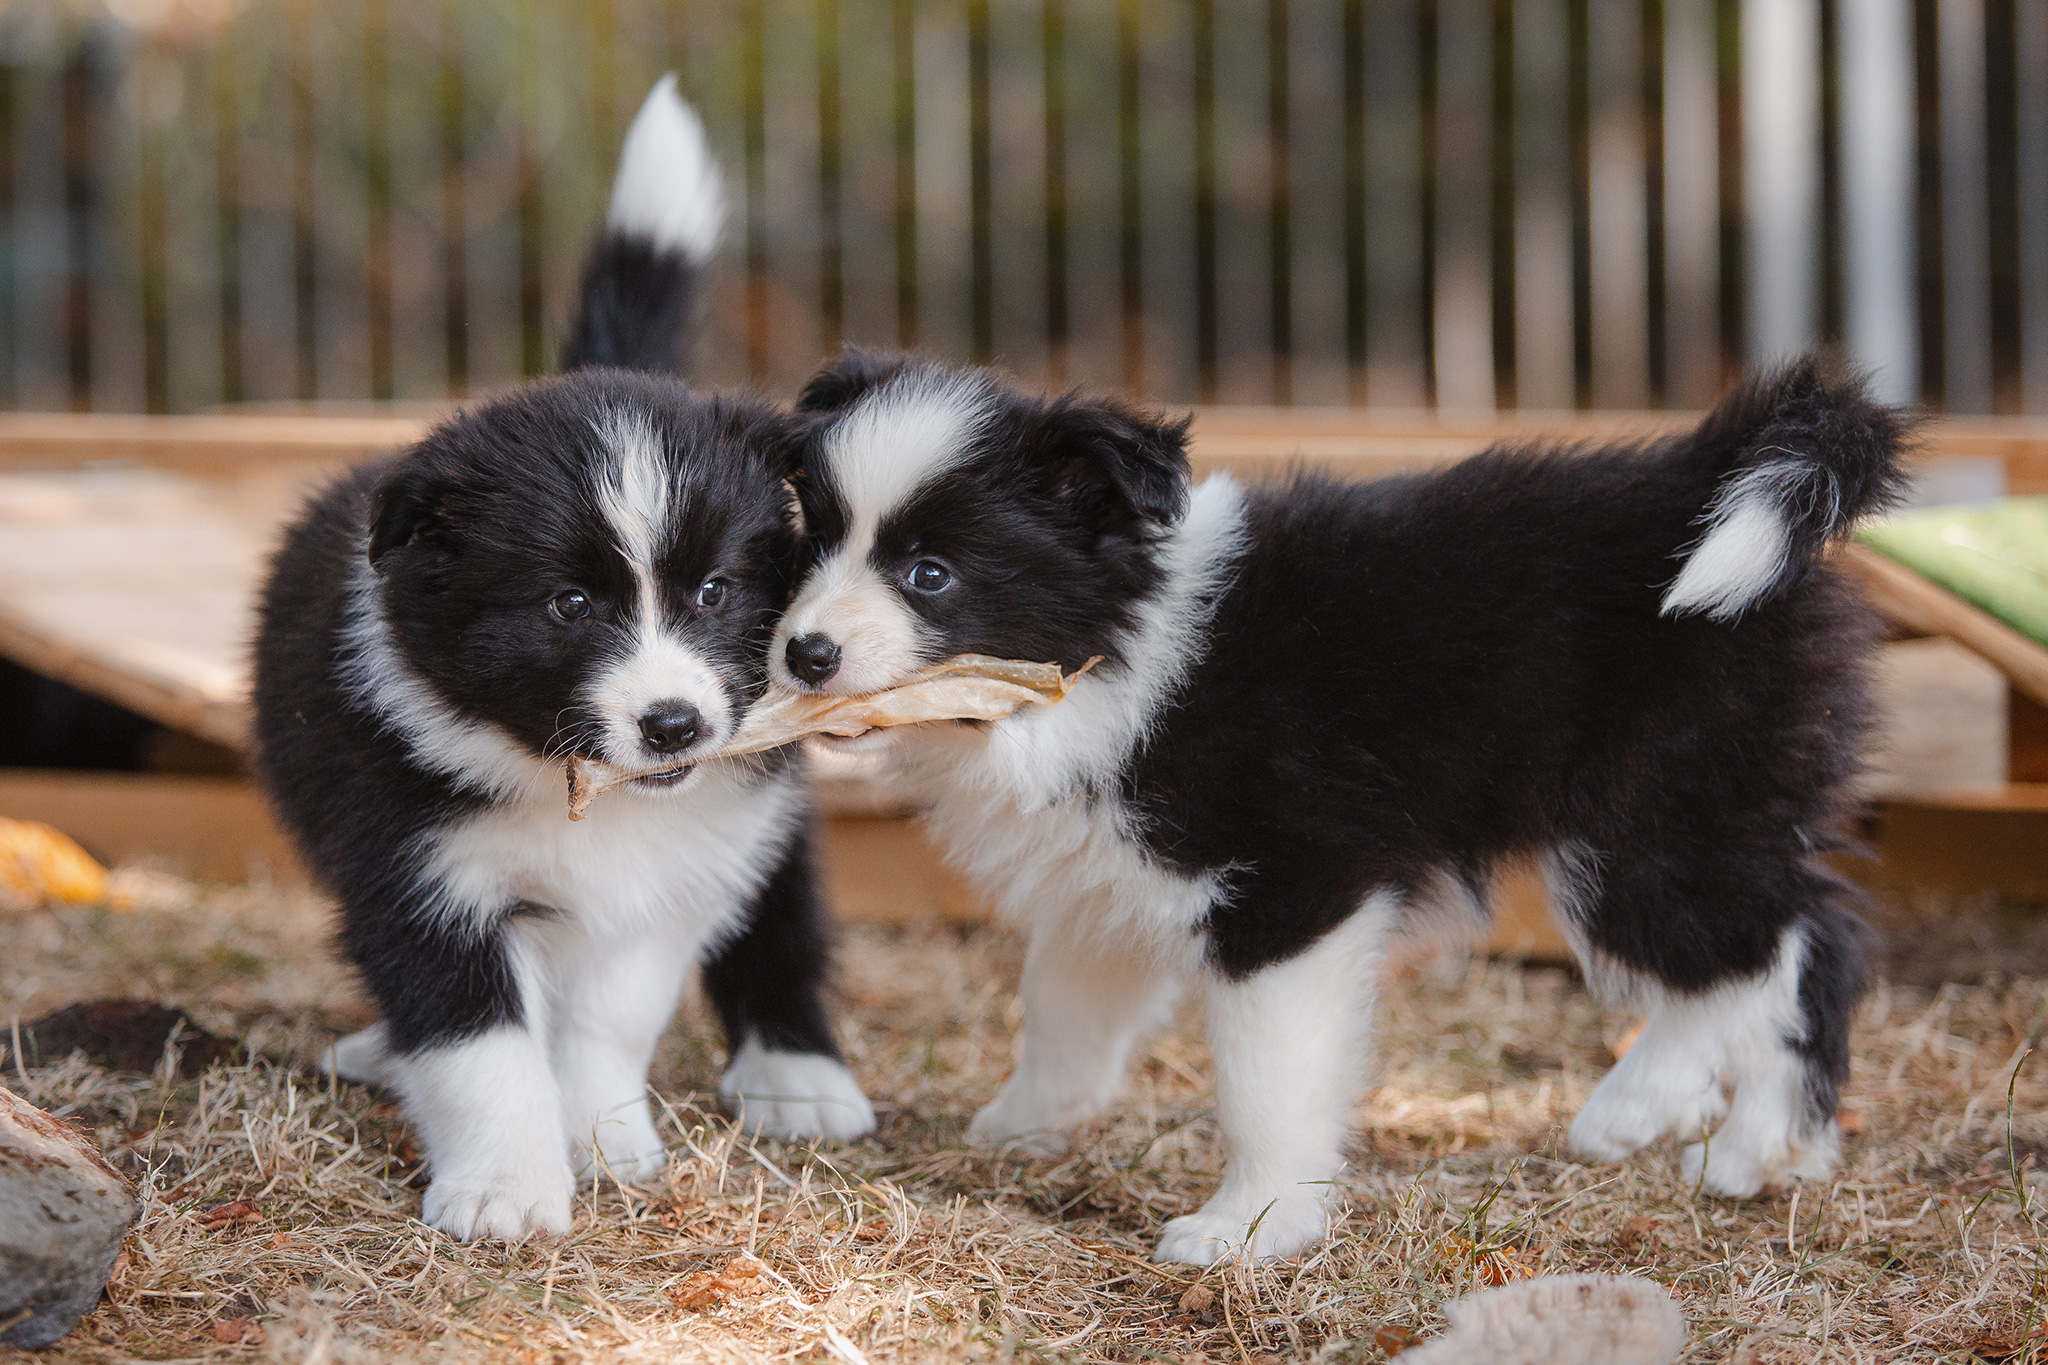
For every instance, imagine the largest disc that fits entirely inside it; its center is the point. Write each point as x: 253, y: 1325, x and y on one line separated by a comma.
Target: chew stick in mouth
x: 967, y: 687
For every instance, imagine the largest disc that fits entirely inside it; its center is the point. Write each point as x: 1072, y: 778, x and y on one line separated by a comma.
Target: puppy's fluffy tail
x: 633, y: 306
x: 1785, y: 463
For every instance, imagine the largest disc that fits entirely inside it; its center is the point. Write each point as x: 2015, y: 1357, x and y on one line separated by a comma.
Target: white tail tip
x: 668, y: 187
x: 1744, y: 550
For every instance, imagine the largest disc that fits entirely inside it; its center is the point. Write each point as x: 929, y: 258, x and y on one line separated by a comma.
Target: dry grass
x: 911, y: 1247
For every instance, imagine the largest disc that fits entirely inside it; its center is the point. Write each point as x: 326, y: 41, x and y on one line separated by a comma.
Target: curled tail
x: 1788, y: 461
x: 639, y: 283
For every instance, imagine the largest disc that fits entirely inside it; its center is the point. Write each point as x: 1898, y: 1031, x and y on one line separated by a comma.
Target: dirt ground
x: 280, y: 1219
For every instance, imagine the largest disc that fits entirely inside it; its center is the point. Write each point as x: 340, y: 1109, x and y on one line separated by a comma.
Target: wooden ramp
x: 131, y: 550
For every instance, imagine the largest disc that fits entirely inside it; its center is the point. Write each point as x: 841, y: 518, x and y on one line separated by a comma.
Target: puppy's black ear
x: 841, y: 384
x: 408, y: 503
x: 1098, y: 447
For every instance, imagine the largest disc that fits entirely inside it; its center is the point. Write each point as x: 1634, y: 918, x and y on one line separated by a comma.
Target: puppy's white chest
x: 637, y: 862
x: 1073, y: 857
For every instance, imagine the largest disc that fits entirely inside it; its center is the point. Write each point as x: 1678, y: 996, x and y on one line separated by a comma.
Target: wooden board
x: 1920, y: 605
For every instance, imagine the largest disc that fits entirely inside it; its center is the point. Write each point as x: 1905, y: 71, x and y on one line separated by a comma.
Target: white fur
x: 636, y: 499
x: 613, y: 996
x: 1559, y: 1320
x: 1290, y: 1043
x: 1694, y: 1049
x: 641, y: 864
x: 668, y: 187
x: 794, y: 1094
x: 1090, y: 997
x: 489, y: 1116
x: 364, y: 1057
x: 634, y: 496
x: 895, y: 441
x: 1747, y: 541
x: 473, y: 754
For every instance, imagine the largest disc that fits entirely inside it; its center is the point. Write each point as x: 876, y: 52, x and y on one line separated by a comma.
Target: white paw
x: 1740, y: 1164
x: 1003, y: 1125
x: 1634, y: 1106
x: 795, y: 1095
x: 1280, y: 1225
x: 507, y: 1204
x: 364, y: 1057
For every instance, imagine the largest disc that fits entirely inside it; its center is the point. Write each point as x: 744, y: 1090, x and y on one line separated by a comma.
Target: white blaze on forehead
x: 898, y: 438
x: 894, y: 442
x: 634, y: 493
x: 637, y: 500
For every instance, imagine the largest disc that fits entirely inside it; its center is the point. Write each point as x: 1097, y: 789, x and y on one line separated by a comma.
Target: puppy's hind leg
x: 1756, y: 1003
x: 1088, y: 1001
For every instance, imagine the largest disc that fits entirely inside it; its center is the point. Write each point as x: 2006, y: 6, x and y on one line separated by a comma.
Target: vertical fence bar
x: 1833, y: 278
x: 10, y: 229
x: 453, y: 101
x: 1656, y: 295
x: 1501, y: 205
x: 1280, y: 196
x: 1206, y: 339
x: 1130, y: 206
x: 80, y: 209
x: 1355, y: 296
x: 227, y: 191
x: 1928, y: 217
x: 305, y: 241
x: 754, y: 122
x: 1579, y: 122
x: 604, y: 83
x: 831, y: 219
x: 676, y: 20
x: 1734, y: 282
x: 1426, y: 99
x: 377, y: 192
x: 155, y: 73
x: 2002, y: 177
x: 903, y: 35
x: 1053, y: 50
x: 981, y: 250
x: 526, y: 157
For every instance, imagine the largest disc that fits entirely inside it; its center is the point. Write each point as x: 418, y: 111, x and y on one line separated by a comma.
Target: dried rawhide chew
x: 967, y: 687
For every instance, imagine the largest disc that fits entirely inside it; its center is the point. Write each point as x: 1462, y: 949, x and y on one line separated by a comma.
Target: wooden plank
x: 1921, y: 605
x: 215, y: 445
x: 212, y: 829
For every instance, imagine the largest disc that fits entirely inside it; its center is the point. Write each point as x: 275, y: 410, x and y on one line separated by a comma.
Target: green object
x: 1994, y: 554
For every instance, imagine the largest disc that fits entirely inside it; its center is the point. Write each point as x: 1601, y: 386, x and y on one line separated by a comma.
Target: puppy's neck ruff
x: 475, y: 755
x: 1046, y: 753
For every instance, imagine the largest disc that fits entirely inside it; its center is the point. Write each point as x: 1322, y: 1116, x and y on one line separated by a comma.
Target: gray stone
x: 63, y: 1213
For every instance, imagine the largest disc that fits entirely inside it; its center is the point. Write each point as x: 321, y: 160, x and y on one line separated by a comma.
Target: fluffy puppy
x: 589, y: 565
x: 1330, y: 710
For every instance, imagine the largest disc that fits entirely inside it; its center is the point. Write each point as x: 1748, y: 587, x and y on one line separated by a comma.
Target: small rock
x: 63, y: 1213
x: 1198, y: 1299
x: 122, y: 1035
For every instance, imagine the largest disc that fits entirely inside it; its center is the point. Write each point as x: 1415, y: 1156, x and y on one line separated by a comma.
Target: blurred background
x: 1469, y: 204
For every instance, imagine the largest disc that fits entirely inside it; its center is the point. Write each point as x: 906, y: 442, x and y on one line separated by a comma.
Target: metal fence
x: 1467, y: 203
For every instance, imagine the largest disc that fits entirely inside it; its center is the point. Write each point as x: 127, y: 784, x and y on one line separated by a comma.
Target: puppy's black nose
x: 813, y: 657
x: 668, y: 726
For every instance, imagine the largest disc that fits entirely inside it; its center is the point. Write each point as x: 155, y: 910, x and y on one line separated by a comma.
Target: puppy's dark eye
x: 928, y: 575
x: 569, y: 606
x: 711, y: 593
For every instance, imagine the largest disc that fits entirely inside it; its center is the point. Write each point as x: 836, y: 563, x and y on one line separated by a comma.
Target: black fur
x: 470, y: 534
x: 1428, y: 675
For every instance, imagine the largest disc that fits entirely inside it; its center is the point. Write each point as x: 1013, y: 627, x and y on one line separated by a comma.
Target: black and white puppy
x: 589, y: 565
x: 1329, y: 710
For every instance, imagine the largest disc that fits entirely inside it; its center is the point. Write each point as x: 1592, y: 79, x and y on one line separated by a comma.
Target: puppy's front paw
x: 511, y: 1205
x: 795, y: 1095
x: 1228, y: 1224
x: 999, y: 1127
